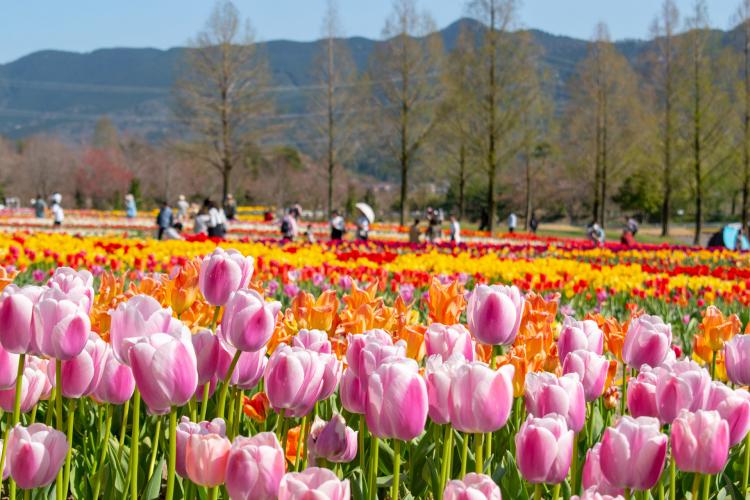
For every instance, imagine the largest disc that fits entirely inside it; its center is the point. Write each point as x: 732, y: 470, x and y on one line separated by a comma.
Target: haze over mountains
x: 64, y: 93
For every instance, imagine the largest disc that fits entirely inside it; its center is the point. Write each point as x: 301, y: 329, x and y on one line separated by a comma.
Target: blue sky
x: 84, y: 25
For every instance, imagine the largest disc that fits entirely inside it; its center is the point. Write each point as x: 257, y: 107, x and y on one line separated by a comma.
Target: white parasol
x: 367, y: 211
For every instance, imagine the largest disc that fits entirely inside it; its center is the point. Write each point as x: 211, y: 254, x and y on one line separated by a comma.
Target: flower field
x: 251, y: 369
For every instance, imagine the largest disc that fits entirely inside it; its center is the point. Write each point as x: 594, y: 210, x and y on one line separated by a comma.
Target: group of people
x: 55, y: 208
x: 595, y: 232
x: 209, y: 218
x: 433, y: 229
x: 290, y: 226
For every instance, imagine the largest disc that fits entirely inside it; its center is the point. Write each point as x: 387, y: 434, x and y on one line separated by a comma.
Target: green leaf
x: 153, y: 487
x: 731, y: 487
x: 434, y: 479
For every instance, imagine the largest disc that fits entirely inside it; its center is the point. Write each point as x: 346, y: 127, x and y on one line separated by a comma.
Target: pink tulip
x: 42, y: 366
x: 577, y: 335
x: 33, y: 384
x: 313, y: 483
x: 332, y: 441
x: 439, y: 376
x: 592, y: 476
x: 208, y: 355
x: 16, y: 307
x: 75, y: 286
x: 255, y: 467
x: 186, y: 429
x: 35, y: 454
x: 60, y: 327
x: 449, y: 340
x: 82, y: 374
x: 480, y: 397
x: 139, y: 316
x: 8, y: 369
x: 682, y: 386
x: 545, y: 393
x: 117, y: 383
x: 592, y: 494
x: 494, y: 313
x: 248, y: 321
x: 700, y: 442
x: 249, y: 370
x: 734, y: 407
x: 737, y: 354
x: 296, y: 378
x: 642, y: 394
x: 591, y: 369
x: 633, y: 453
x: 544, y: 449
x: 396, y: 400
x: 206, y: 458
x: 222, y: 273
x: 165, y: 370
x: 647, y: 341
x: 473, y: 487
x: 314, y: 340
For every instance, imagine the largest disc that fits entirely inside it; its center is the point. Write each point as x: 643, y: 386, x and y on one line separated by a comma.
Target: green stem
x: 215, y: 318
x: 134, y: 443
x: 225, y: 386
x: 706, y: 485
x: 103, y: 455
x: 556, y: 492
x: 372, y: 482
x: 50, y: 407
x: 538, y: 491
x: 19, y: 385
x: 627, y: 494
x: 282, y: 434
x: 361, y: 444
x: 478, y: 453
x: 213, y: 493
x: 396, y: 467
x: 300, y: 440
x: 172, y: 453
x: 60, y: 425
x: 71, y: 422
x: 746, y: 471
x: 696, y: 485
x: 574, y: 466
x: 204, y: 401
x: 672, y: 479
x: 238, y: 416
x: 464, y: 454
x: 713, y: 365
x: 154, y: 447
x: 5, y: 447
x: 445, y: 465
x: 623, y: 395
x: 123, y: 429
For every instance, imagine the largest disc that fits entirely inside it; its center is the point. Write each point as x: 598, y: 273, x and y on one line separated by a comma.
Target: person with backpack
x: 164, y: 218
x: 338, y: 226
x: 289, y: 225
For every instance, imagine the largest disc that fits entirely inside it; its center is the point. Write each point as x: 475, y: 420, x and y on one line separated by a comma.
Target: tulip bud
x: 633, y: 453
x: 472, y: 487
x: 647, y: 341
x: 248, y: 321
x: 222, y: 273
x: 544, y: 449
x: 545, y: 394
x: 35, y: 455
x: 577, y: 335
x: 700, y: 442
x: 449, y: 340
x: 255, y: 467
x: 494, y: 313
x: 396, y: 400
x: 331, y: 440
x: 313, y: 483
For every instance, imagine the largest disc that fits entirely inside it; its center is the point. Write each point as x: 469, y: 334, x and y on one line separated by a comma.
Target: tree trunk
x: 528, y: 191
x: 329, y: 96
x: 491, y: 153
x: 404, y: 154
x: 746, y: 142
x: 604, y: 174
x: 667, y: 177
x: 697, y: 119
x: 461, y: 181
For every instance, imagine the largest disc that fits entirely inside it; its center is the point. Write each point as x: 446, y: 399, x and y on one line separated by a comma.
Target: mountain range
x: 65, y: 93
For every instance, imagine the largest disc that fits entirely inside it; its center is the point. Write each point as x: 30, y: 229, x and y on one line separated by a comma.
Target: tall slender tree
x: 405, y: 72
x: 222, y: 92
x: 743, y: 14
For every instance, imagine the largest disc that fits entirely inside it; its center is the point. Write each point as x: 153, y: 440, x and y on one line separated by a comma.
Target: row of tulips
x: 523, y: 425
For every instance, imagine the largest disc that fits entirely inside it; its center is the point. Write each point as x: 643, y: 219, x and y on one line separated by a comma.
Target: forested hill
x: 64, y: 93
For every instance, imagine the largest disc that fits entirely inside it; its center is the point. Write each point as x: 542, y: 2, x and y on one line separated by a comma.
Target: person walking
x: 289, y: 225
x: 40, y: 207
x: 414, y: 233
x: 182, y: 208
x: 512, y: 222
x: 57, y: 211
x: 455, y: 230
x: 363, y: 228
x: 338, y: 226
x: 163, y: 218
x: 230, y: 207
x: 130, y: 208
x: 533, y: 223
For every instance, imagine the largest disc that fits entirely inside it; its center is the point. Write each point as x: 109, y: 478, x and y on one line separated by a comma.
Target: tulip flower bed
x: 380, y: 370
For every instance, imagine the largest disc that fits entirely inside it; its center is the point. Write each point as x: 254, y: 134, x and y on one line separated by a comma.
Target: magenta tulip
x: 682, y: 386
x: 296, y: 378
x: 472, y: 487
x: 35, y: 454
x: 249, y: 320
x: 633, y: 453
x: 313, y: 483
x: 647, y: 341
x: 185, y: 429
x: 439, y: 376
x: 737, y: 357
x: 208, y: 355
x: 593, y: 494
x: 222, y: 273
x: 165, y: 370
x: 700, y: 442
x: 139, y: 316
x: 16, y: 307
x: 480, y: 397
x: 449, y: 340
x: 117, y: 383
x: 734, y: 407
x: 642, y: 394
x: 544, y: 449
x: 545, y: 393
x: 8, y: 369
x: 314, y: 340
x: 81, y: 375
x: 575, y: 335
x: 75, y: 286
x: 33, y: 384
x: 591, y: 369
x: 60, y: 327
x: 494, y: 313
x: 396, y: 400
x: 206, y: 459
x: 255, y: 467
x: 592, y: 476
x: 332, y: 441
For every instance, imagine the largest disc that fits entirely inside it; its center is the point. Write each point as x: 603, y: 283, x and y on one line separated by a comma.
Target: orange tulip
x: 717, y: 329
x: 183, y: 289
x: 256, y: 407
x: 292, y: 441
x: 446, y: 302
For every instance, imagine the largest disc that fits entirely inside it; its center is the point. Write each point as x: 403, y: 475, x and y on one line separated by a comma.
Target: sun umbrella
x: 367, y: 211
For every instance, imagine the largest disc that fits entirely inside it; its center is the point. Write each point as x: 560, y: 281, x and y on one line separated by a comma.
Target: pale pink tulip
x: 545, y: 393
x: 83, y: 373
x: 16, y: 307
x: 222, y: 273
x: 575, y: 335
x: 633, y: 453
x: 60, y: 327
x: 494, y: 313
x: 647, y: 341
x: 591, y: 369
x: 35, y: 454
x: 255, y: 467
x: 544, y: 449
x: 75, y: 286
x: 33, y: 384
x: 313, y: 483
x: 314, y: 340
x: 396, y: 400
x: 682, y: 386
x: 186, y: 429
x: 117, y: 383
x: 472, y: 487
x: 206, y: 459
x: 480, y: 397
x: 439, y: 376
x: 332, y: 441
x: 8, y: 369
x: 700, y: 442
x: 449, y: 340
x: 249, y: 320
x: 737, y: 355
x: 734, y: 407
x: 641, y: 394
x: 592, y: 476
